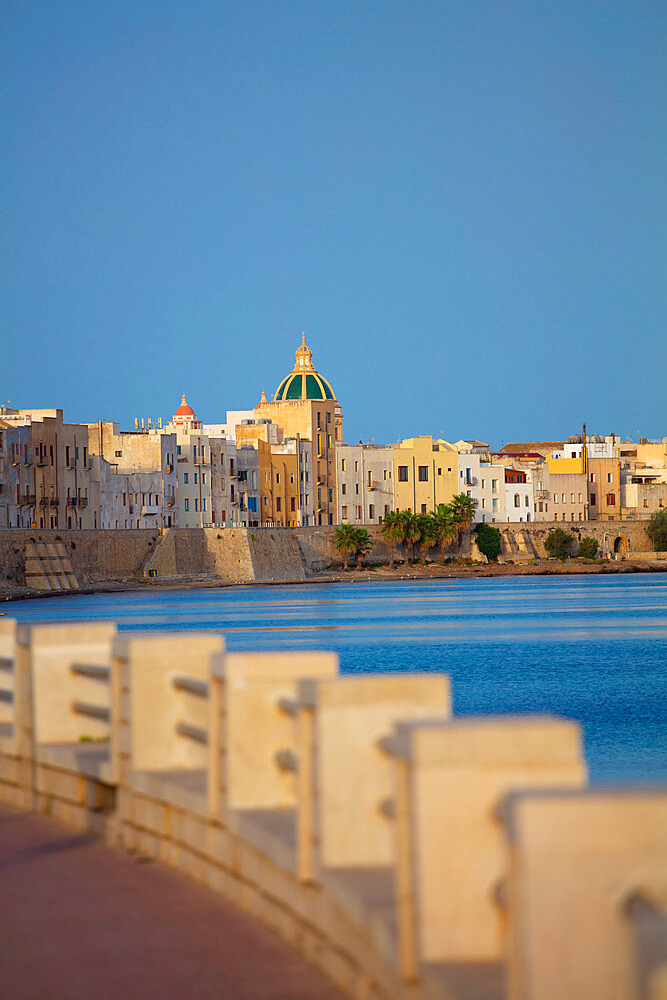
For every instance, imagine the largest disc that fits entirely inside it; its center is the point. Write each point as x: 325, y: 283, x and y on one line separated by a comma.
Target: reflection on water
x: 591, y: 648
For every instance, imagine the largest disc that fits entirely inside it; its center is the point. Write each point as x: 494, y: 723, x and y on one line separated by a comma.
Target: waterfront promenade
x: 79, y: 919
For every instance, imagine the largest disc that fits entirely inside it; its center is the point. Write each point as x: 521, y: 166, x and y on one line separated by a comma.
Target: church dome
x: 184, y: 410
x: 303, y: 382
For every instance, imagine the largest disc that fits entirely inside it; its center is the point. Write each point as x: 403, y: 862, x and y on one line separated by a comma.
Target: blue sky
x: 462, y: 204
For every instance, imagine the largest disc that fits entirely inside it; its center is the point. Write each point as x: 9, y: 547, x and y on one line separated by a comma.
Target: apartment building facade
x: 365, y: 483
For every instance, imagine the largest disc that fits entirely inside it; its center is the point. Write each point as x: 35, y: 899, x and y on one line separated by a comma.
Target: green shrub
x: 588, y: 548
x: 558, y: 543
x: 488, y: 541
x: 656, y: 530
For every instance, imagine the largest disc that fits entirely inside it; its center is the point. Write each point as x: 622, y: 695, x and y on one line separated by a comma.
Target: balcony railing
x: 542, y: 494
x: 54, y: 501
x: 374, y: 485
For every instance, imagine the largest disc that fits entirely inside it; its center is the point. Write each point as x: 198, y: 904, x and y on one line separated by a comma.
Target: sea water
x: 591, y: 648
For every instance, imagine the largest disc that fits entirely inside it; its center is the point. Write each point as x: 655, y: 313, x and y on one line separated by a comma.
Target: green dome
x: 303, y: 382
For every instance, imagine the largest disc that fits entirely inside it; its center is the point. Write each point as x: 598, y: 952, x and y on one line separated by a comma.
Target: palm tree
x: 346, y: 540
x: 427, y: 534
x: 392, y: 531
x: 463, y: 512
x: 445, y: 527
x: 411, y: 528
x: 363, y: 544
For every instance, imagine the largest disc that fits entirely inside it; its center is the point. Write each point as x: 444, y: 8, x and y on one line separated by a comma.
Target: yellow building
x: 425, y: 474
x: 306, y: 409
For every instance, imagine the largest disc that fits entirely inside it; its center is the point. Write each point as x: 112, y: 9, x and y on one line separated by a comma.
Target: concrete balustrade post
x: 70, y: 671
x: 164, y: 722
x: 258, y: 730
x: 450, y: 850
x: 346, y: 778
x: 7, y: 657
x: 587, y: 895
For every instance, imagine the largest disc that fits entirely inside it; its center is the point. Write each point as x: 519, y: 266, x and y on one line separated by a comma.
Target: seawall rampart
x: 408, y: 855
x: 240, y: 555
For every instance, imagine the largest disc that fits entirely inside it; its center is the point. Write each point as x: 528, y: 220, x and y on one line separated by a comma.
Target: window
x: 593, y: 499
x: 386, y: 508
x: 581, y: 497
x: 292, y: 503
x: 203, y: 505
x: 330, y: 496
x: 252, y: 504
x: 423, y: 474
x: 610, y: 477
x: 370, y: 478
x: 343, y: 489
x: 358, y: 513
x: 185, y: 476
x: 196, y: 478
x: 203, y: 478
x: 266, y: 501
x: 571, y: 497
x: 540, y: 506
x: 556, y: 517
x: 562, y: 498
x: 494, y: 505
x: 592, y: 477
x: 119, y: 454
x: 356, y: 488
x: 186, y: 504
x: 423, y: 508
x: 197, y: 505
x: 527, y: 504
x: 291, y: 478
x: 384, y: 474
x: 439, y: 471
x: 483, y: 502
x: 344, y: 512
x: 494, y: 485
x: 402, y: 473
x: 278, y: 504
x: 356, y: 466
x: 611, y: 499
x: 517, y: 500
x: 371, y: 511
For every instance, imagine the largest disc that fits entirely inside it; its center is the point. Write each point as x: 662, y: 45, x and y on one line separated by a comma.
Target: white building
x: 364, y: 483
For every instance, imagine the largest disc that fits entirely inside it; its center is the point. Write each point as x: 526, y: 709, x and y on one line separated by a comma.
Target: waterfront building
x: 518, y: 487
x: 426, y: 473
x: 491, y: 492
x: 55, y: 486
x: 470, y: 461
x: 137, y: 474
x: 223, y: 478
x: 305, y: 408
x: 17, y: 477
x: 365, y: 483
x: 193, y: 468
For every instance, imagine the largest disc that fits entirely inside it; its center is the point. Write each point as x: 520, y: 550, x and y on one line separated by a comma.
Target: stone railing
x: 407, y: 854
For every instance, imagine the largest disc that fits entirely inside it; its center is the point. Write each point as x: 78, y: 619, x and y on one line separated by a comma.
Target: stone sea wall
x: 240, y: 555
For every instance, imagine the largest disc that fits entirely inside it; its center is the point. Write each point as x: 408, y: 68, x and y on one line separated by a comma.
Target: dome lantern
x: 304, y: 381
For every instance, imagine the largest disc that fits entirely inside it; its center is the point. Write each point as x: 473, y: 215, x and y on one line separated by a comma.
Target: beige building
x: 305, y: 408
x: 138, y: 489
x: 426, y: 473
x: 193, y: 468
x: 365, y: 483
x: 56, y: 488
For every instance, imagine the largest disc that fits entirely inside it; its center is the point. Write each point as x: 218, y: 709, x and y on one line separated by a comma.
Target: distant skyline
x: 463, y: 205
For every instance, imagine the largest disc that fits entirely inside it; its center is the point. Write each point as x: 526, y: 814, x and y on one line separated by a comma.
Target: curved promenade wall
x: 407, y: 854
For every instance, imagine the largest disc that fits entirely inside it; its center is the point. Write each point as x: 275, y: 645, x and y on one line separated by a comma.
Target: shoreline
x: 431, y: 571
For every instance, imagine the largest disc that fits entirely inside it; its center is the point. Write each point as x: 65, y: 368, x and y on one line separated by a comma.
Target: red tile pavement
x: 81, y: 921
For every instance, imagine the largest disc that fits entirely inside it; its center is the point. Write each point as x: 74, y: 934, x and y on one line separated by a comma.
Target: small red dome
x: 184, y: 409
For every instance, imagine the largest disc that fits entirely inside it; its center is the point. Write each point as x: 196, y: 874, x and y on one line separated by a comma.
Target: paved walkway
x: 79, y: 920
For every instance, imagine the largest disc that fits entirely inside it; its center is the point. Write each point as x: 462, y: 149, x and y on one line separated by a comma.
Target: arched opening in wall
x: 620, y: 546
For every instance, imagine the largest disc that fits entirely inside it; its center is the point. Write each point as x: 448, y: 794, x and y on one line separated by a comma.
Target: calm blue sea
x: 592, y: 648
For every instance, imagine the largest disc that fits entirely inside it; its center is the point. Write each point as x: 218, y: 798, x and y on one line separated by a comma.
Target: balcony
x: 542, y: 494
x: 71, y: 501
x: 41, y: 461
x: 171, y: 501
x: 168, y: 469
x: 44, y: 501
x: 373, y: 485
x: 150, y: 510
x: 83, y: 501
x: 27, y: 500
x: 54, y: 501
x: 471, y: 481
